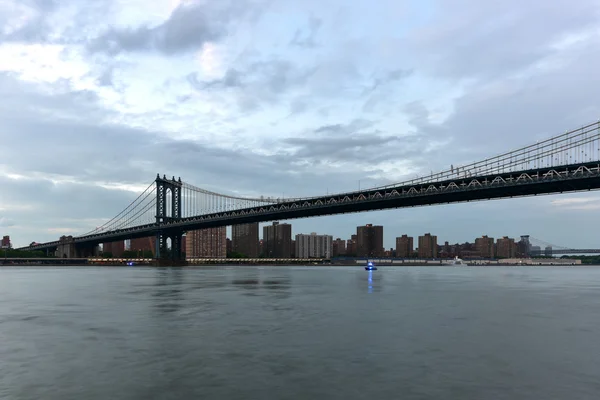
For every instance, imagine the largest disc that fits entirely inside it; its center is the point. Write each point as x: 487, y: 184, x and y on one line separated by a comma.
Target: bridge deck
x: 532, y: 182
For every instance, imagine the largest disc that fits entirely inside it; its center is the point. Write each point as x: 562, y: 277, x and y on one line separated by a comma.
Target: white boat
x: 457, y: 261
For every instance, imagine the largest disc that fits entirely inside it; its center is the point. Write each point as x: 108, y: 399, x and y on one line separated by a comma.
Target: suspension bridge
x: 169, y: 207
x: 542, y: 248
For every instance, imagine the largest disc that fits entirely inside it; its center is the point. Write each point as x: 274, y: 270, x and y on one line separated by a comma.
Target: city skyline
x: 367, y: 242
x: 363, y: 243
x: 389, y: 238
x: 283, y: 99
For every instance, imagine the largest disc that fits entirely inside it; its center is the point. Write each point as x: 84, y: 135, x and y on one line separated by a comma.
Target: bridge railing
x: 579, y: 145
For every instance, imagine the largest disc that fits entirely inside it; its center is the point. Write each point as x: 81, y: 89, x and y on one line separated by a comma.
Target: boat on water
x: 457, y: 261
x: 370, y: 266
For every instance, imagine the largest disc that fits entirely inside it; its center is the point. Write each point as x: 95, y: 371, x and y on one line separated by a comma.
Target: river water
x: 300, y: 333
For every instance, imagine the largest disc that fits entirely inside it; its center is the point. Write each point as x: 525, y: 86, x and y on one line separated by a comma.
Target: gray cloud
x: 260, y: 82
x: 257, y: 79
x: 299, y: 105
x: 344, y: 129
x: 491, y: 39
x: 5, y: 222
x: 190, y: 26
x: 387, y: 78
x: 232, y: 79
x: 106, y: 77
x: 506, y: 114
x: 342, y: 148
x: 33, y: 21
x: 37, y: 27
x: 60, y: 101
x: 308, y: 39
x: 46, y: 201
x: 358, y: 141
x: 382, y: 88
x: 45, y: 5
x: 273, y: 81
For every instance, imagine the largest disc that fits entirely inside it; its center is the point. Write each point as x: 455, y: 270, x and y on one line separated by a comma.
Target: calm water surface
x: 300, y: 333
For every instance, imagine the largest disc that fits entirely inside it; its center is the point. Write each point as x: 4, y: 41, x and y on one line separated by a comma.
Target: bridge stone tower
x: 67, y: 248
x: 168, y: 210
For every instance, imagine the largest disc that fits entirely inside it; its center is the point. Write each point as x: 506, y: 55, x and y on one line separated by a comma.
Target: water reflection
x: 168, y: 290
x: 277, y: 285
x: 373, y: 280
x: 248, y: 282
x: 251, y: 283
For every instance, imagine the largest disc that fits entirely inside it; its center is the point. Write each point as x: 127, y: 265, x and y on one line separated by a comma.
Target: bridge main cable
x: 146, y: 210
x: 115, y: 220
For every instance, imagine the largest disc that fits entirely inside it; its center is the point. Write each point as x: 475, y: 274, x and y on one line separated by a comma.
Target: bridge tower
x: 67, y: 248
x: 168, y: 210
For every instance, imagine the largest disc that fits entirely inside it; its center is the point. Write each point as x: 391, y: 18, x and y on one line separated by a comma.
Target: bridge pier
x: 173, y: 256
x: 176, y: 246
x: 164, y: 215
x: 66, y: 247
x: 86, y: 251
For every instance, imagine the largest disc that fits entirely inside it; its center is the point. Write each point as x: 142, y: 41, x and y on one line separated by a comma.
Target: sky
x: 289, y: 98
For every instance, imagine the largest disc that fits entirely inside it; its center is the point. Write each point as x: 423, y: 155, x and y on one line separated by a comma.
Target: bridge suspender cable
x: 99, y: 229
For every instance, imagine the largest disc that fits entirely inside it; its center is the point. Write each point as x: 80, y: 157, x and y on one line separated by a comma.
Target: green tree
x: 147, y: 254
x: 12, y: 253
x: 588, y: 260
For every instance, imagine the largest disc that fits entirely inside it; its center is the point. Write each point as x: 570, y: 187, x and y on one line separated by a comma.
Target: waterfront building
x: 485, y: 246
x: 244, y: 239
x: 277, y: 240
x: 116, y: 249
x: 207, y: 243
x: 5, y: 244
x: 314, y: 246
x: 427, y: 246
x: 404, y: 246
x: 351, y: 246
x: 506, y: 248
x: 339, y: 247
x: 369, y: 241
x: 143, y: 245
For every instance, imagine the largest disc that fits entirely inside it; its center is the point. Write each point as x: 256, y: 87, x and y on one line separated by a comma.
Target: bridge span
x: 569, y: 162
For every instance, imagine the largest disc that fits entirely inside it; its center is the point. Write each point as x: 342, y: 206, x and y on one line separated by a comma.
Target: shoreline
x: 199, y: 265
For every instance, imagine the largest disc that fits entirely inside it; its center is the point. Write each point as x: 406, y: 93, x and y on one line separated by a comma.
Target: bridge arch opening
x: 169, y: 202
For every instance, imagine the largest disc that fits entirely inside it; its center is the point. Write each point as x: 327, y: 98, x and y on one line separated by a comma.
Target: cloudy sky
x: 288, y: 97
